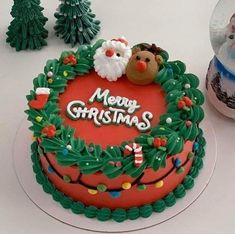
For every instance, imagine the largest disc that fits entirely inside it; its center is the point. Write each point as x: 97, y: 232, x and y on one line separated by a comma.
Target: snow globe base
x: 220, y: 86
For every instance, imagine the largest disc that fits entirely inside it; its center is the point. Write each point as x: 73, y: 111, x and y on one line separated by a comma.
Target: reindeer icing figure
x: 221, y: 73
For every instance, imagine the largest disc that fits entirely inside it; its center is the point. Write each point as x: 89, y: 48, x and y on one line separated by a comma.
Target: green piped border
x: 120, y: 214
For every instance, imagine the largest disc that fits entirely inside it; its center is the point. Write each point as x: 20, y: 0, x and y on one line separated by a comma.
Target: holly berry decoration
x: 70, y: 60
x: 184, y: 103
x: 42, y: 95
x: 49, y: 131
x: 138, y: 154
x: 160, y: 143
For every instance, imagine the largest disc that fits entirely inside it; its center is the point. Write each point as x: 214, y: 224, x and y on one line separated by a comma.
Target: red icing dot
x: 141, y: 66
x: 157, y: 142
x: 188, y: 123
x: 163, y: 142
x: 66, y: 60
x: 188, y: 101
x: 181, y: 104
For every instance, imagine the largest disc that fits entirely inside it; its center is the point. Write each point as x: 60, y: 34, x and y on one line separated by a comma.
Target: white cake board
x: 23, y: 168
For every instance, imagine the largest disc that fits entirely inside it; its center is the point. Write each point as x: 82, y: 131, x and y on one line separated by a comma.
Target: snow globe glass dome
x: 220, y: 82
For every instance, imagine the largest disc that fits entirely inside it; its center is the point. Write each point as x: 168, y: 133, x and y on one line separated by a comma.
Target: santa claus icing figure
x: 111, y: 59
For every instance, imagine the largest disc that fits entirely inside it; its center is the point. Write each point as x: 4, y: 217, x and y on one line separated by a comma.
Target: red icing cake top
x: 150, y: 98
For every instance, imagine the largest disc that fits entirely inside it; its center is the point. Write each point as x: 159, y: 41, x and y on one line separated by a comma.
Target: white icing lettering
x: 119, y: 111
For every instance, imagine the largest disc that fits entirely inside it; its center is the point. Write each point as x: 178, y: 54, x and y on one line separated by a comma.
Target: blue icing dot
x: 195, y: 146
x: 65, y: 151
x: 115, y: 194
x: 50, y: 169
x: 177, y: 162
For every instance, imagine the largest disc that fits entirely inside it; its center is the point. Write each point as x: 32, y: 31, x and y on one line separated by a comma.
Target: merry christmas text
x: 119, y: 111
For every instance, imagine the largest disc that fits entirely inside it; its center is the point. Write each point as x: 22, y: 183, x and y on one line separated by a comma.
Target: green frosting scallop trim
x: 176, y: 126
x: 119, y: 214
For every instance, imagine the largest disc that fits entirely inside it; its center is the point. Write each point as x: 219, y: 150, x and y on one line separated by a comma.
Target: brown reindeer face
x: 143, y: 67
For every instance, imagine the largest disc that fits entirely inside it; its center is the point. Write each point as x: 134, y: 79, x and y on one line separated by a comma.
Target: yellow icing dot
x: 65, y: 73
x: 126, y: 185
x: 162, y: 128
x: 92, y: 191
x: 38, y: 119
x: 50, y: 81
x: 34, y: 138
x: 159, y: 184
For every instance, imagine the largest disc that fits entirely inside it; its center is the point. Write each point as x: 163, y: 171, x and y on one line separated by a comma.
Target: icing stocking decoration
x: 42, y: 95
x: 138, y: 154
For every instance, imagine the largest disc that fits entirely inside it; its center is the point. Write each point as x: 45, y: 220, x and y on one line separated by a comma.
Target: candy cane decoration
x: 138, y: 154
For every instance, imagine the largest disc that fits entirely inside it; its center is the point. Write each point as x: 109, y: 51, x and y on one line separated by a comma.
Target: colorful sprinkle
x: 65, y: 151
x: 177, y: 162
x: 195, y: 146
x: 118, y: 164
x: 66, y: 178
x: 92, y: 191
x: 90, y: 149
x: 50, y: 169
x: 188, y: 123
x: 65, y: 73
x: 101, y: 187
x: 38, y: 119
x: 69, y: 147
x: 50, y: 81
x: 159, y: 184
x: 187, y: 86
x: 126, y: 185
x: 190, y: 155
x: 115, y: 194
x: 111, y: 163
x: 50, y: 74
x: 169, y: 120
x: 141, y: 187
x: 180, y: 170
x: 34, y: 138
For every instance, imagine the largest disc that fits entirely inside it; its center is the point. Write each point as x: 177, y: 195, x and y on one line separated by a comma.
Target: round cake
x: 116, y: 130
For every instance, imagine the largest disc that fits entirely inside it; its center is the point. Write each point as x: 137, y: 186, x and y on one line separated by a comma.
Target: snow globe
x: 220, y: 81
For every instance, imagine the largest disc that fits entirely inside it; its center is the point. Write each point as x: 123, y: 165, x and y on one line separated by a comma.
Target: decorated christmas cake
x: 116, y: 130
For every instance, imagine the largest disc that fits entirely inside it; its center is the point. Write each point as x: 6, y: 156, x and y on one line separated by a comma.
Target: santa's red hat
x: 122, y: 40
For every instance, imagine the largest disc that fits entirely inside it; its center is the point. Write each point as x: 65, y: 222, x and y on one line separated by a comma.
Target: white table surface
x: 180, y: 27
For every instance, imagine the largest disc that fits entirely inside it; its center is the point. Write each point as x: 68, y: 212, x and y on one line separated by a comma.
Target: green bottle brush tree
x: 75, y: 22
x: 26, y: 30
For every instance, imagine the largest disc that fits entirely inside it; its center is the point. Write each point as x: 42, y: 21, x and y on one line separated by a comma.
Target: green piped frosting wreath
x: 119, y: 214
x: 178, y: 125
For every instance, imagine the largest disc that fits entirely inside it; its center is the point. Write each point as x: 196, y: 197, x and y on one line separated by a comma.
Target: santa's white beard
x: 110, y: 68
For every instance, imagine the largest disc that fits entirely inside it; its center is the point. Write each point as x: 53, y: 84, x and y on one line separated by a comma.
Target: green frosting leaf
x: 40, y: 81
